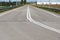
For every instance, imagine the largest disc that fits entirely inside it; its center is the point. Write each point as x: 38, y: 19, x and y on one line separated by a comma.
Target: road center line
x: 38, y: 23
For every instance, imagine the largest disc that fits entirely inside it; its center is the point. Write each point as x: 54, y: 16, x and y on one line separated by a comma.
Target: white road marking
x: 6, y: 12
x: 38, y: 23
x: 54, y: 15
x: 49, y: 13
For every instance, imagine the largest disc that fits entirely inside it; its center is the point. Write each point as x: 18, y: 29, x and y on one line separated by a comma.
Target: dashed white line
x: 38, y: 23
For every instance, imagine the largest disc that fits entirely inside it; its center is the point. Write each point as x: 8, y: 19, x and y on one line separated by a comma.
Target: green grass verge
x: 6, y: 8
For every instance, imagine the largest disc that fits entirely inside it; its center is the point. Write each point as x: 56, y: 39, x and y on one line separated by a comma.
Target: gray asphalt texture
x: 15, y: 25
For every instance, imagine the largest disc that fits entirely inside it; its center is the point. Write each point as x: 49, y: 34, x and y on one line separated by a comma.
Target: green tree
x: 21, y: 1
x: 24, y: 1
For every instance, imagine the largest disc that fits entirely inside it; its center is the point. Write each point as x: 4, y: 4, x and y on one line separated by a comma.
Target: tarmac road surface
x: 29, y: 23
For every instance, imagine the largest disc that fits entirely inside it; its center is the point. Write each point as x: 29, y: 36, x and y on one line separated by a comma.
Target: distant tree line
x: 23, y: 2
x: 8, y: 3
x: 12, y: 3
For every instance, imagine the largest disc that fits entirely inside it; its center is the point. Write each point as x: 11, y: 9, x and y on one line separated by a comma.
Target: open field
x: 55, y: 6
x: 52, y: 6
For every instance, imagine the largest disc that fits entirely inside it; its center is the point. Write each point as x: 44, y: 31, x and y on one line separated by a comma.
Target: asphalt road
x: 29, y: 23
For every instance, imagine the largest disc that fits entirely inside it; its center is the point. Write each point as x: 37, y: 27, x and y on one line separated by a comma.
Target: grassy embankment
x: 6, y: 8
x: 51, y: 8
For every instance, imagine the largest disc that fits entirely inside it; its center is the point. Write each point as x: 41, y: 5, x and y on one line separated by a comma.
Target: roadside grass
x: 52, y: 8
x: 6, y: 8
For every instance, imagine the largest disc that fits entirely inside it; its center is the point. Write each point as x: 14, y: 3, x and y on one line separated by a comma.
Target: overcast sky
x: 35, y: 0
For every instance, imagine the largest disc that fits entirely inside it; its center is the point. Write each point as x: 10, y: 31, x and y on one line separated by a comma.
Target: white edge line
x: 38, y: 23
x: 6, y: 12
x: 54, y: 15
x: 50, y: 13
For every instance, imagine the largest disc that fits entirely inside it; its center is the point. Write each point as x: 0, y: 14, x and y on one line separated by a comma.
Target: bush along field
x: 52, y: 8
